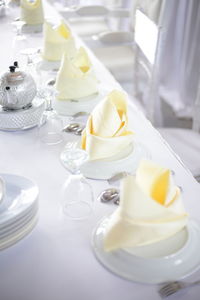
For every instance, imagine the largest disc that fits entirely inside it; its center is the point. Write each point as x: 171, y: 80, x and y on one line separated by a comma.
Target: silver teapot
x: 17, y: 89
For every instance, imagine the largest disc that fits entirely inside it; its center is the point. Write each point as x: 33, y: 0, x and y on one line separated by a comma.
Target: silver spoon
x: 51, y: 82
x: 72, y: 127
x: 79, y: 131
x: 79, y: 114
x: 110, y: 194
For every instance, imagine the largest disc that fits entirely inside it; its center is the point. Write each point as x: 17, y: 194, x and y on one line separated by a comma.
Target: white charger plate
x: 168, y: 260
x: 19, y: 199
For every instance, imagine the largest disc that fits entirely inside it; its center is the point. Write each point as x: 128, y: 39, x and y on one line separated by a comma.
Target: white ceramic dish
x: 48, y: 65
x: 125, y: 161
x: 22, y: 119
x: 19, y: 234
x: 32, y: 28
x: 20, y: 198
x: 2, y: 189
x: 168, y: 260
x: 15, y: 226
x: 74, y: 106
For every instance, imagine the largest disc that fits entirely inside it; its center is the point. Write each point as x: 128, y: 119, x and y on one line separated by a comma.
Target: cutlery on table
x: 173, y: 287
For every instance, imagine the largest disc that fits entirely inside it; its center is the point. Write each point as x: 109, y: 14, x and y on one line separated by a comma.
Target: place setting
x: 110, y: 147
x: 149, y: 238
x: 32, y: 14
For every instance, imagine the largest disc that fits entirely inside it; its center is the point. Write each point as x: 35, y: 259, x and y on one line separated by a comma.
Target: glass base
x: 73, y: 158
x: 77, y: 210
x: 51, y: 138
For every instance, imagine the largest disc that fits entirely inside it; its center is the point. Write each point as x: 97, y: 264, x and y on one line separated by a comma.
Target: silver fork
x: 173, y: 287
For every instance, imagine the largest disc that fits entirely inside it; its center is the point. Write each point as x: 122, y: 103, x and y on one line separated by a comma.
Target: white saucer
x: 126, y: 161
x: 74, y: 106
x: 168, y: 260
x: 20, y: 199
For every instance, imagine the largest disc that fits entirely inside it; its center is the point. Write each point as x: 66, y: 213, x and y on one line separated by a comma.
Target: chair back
x: 196, y: 111
x: 149, y: 39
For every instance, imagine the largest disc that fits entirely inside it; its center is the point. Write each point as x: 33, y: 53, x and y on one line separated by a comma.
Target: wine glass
x: 19, y: 42
x: 50, y: 125
x: 32, y: 57
x: 77, y: 194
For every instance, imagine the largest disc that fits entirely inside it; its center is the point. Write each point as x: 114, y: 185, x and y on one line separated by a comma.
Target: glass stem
x: 49, y: 104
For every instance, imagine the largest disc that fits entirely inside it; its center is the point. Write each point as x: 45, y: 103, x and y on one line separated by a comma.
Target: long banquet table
x: 56, y: 260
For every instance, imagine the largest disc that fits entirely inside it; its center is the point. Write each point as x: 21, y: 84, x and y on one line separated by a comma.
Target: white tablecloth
x: 56, y: 260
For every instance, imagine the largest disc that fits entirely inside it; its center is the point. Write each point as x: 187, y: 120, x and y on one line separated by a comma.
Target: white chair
x: 135, y: 57
x: 186, y: 142
x: 91, y: 20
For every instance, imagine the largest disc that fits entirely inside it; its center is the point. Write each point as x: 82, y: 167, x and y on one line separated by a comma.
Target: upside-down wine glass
x: 19, y: 42
x: 50, y: 125
x: 77, y: 193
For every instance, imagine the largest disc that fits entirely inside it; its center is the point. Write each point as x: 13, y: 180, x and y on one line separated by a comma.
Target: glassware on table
x: 51, y: 125
x: 32, y: 57
x: 19, y: 42
x: 78, y: 198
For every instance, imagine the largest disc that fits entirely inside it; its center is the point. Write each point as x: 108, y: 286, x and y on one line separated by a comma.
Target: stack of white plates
x: 18, y: 209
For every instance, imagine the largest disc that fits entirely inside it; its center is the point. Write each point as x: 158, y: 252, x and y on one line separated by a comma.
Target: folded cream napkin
x: 106, y: 131
x: 76, y: 78
x: 32, y: 12
x: 1, y: 189
x: 57, y: 41
x: 150, y: 209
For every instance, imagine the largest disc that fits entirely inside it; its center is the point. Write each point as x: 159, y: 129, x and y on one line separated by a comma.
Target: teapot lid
x: 13, y: 76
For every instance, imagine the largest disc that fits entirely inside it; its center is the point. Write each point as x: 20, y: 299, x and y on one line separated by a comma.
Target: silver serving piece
x: 17, y: 89
x: 20, y: 106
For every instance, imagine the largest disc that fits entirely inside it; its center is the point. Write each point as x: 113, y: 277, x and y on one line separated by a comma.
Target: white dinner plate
x: 47, y: 65
x: 71, y: 107
x: 32, y: 28
x: 1, y: 189
x: 168, y: 260
x: 15, y: 226
x: 19, y: 234
x: 20, y: 196
x: 126, y: 161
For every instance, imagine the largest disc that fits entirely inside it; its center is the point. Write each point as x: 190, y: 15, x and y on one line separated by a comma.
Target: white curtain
x: 180, y: 56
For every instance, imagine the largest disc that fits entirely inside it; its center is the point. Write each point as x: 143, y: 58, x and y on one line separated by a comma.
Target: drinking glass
x: 50, y: 125
x: 78, y: 198
x: 19, y: 42
x: 32, y: 57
